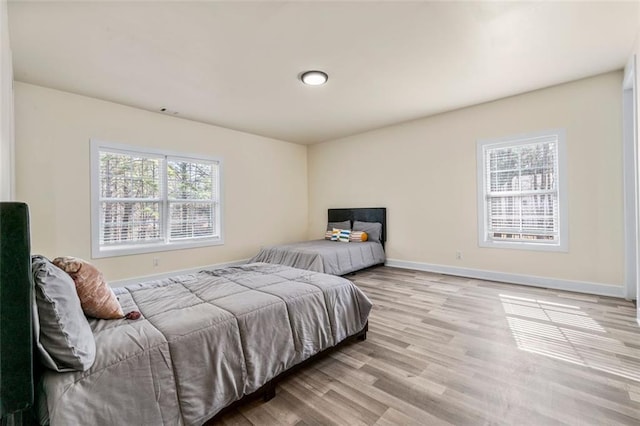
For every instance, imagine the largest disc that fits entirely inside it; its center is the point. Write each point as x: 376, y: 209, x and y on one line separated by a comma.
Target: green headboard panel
x: 16, y: 365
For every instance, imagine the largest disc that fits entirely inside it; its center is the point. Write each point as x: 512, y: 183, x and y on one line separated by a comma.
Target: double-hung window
x: 146, y: 200
x: 522, y: 200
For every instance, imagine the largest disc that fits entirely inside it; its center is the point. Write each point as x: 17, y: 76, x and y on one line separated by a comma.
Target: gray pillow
x: 62, y: 332
x: 373, y: 229
x: 339, y: 225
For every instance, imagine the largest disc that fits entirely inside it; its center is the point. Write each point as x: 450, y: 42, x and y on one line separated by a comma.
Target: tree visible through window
x: 521, y: 191
x: 149, y: 201
x: 130, y: 198
x: 191, y: 191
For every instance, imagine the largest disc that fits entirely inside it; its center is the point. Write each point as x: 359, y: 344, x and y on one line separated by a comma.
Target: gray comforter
x: 204, y: 341
x: 330, y: 257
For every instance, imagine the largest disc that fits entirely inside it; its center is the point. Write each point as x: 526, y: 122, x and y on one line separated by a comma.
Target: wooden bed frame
x: 19, y: 365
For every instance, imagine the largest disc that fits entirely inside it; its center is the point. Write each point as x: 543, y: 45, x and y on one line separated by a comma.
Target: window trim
x: 165, y: 244
x: 563, y: 205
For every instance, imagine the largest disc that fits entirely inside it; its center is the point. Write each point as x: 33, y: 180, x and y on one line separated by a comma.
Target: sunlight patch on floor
x: 566, y: 333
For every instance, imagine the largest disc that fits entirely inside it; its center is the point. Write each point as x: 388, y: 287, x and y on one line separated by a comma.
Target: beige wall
x: 424, y: 172
x: 636, y: 52
x: 6, y: 109
x: 264, y: 180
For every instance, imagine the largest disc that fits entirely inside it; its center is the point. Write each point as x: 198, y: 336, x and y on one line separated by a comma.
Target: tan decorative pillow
x: 96, y: 297
x: 358, y: 236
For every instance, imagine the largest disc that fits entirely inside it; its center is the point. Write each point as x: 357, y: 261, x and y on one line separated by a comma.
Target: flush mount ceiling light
x: 314, y: 78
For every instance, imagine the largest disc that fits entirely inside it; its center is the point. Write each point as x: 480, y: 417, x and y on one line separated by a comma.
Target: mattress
x: 330, y: 257
x: 204, y: 341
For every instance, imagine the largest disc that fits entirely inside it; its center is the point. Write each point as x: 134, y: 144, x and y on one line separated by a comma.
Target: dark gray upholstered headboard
x: 369, y: 214
x: 16, y: 368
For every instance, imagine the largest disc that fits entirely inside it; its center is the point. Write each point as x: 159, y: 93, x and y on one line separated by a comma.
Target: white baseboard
x: 136, y: 280
x: 545, y: 282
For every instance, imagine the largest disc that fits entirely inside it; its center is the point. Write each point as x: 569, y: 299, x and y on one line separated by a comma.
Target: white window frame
x: 98, y: 251
x: 562, y: 245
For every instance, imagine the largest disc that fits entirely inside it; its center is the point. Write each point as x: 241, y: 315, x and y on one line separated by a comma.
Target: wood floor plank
x: 392, y: 417
x: 398, y: 404
x: 282, y: 410
x: 337, y: 410
x: 444, y: 350
x: 361, y: 398
x: 236, y: 420
x: 257, y: 415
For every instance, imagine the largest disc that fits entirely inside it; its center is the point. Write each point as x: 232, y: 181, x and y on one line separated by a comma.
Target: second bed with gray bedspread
x: 330, y: 257
x: 204, y: 341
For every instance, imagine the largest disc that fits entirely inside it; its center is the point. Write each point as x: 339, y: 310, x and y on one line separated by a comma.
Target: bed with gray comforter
x: 336, y: 257
x: 325, y: 256
x: 204, y: 341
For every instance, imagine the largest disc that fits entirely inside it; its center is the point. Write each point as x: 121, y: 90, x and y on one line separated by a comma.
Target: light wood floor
x: 449, y: 350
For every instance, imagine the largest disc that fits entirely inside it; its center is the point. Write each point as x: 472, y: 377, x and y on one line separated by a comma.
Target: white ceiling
x: 235, y: 64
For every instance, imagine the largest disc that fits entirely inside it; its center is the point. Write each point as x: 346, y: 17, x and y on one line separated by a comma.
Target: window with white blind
x: 521, y: 192
x: 146, y: 200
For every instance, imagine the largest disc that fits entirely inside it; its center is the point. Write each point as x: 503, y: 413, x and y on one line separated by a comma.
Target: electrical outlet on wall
x: 156, y: 261
x: 459, y: 255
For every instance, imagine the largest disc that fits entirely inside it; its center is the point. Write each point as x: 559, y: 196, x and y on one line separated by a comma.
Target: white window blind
x: 192, y: 198
x: 521, y: 194
x: 130, y: 198
x: 148, y: 200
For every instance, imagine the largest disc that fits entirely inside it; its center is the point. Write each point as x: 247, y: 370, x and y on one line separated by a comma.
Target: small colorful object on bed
x: 358, y: 236
x: 343, y: 235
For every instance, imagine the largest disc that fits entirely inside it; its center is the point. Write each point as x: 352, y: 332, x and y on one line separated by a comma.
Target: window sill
x: 524, y: 246
x: 102, y: 252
